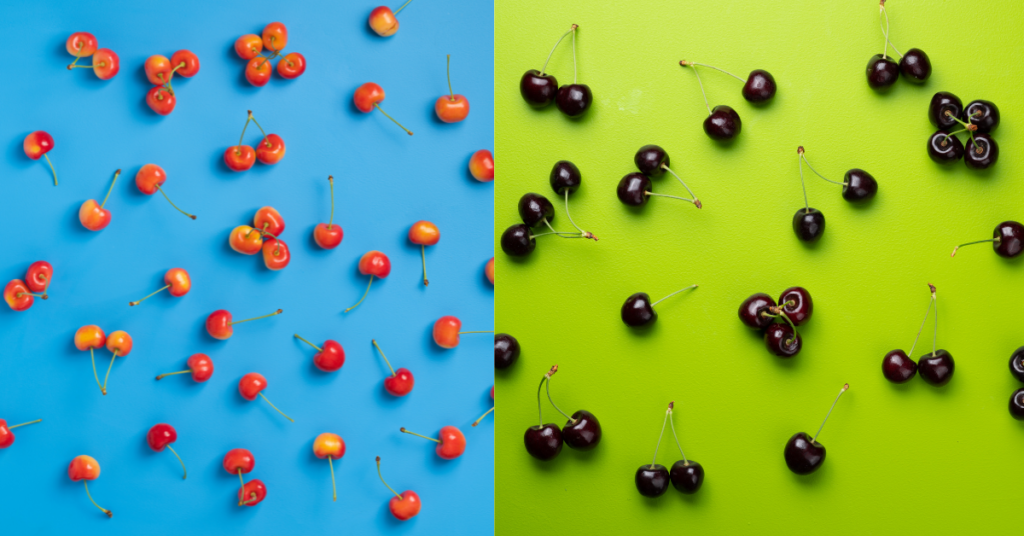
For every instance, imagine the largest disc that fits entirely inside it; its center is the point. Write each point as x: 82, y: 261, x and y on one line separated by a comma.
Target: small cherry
x: 756, y: 311
x: 401, y: 382
x: 36, y: 145
x: 239, y: 461
x: 687, y: 476
x: 80, y: 45
x: 1017, y: 364
x: 120, y: 344
x: 330, y: 357
x: 18, y: 296
x: 269, y: 221
x: 945, y: 148
x: 90, y: 338
x: 327, y: 235
x: 86, y: 468
x: 858, y: 185
x: 253, y: 384
x: 581, y: 431
x: 7, y: 437
x: 937, y: 367
x: 403, y: 506
x: 374, y: 264
x: 219, y: 323
x: 451, y: 108
x: 489, y: 270
x: 635, y: 188
x: 488, y: 412
x: 882, y: 71
x: 185, y: 63
x: 446, y: 331
x: 652, y: 480
x: 246, y: 240
x: 271, y: 148
x: 804, y: 455
x: 897, y: 366
x: 177, y: 280
x: 332, y: 447
x: 451, y: 444
x: 481, y: 165
x: 782, y: 340
x: 574, y: 99
x: 93, y: 216
x: 368, y: 96
x: 240, y: 157
x: 258, y: 71
x: 162, y: 435
x: 808, y: 223
x: 506, y: 350
x: 1007, y: 240
x: 981, y: 152
x: 722, y: 123
x: 249, y: 46
x: 424, y: 233
x: 653, y: 161
x: 1017, y: 404
x: 983, y: 114
x: 383, y: 22
x: 149, y: 179
x: 275, y: 36
x: 276, y: 255
x: 535, y: 209
x: 519, y: 241
x: 538, y: 88
x: 254, y: 491
x: 38, y: 276
x: 941, y: 103
x: 200, y: 366
x: 543, y: 441
x: 759, y: 87
x: 797, y: 305
x: 638, y: 311
x: 291, y: 66
x: 158, y: 70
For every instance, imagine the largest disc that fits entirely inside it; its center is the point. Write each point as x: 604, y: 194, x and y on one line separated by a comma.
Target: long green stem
x: 804, y: 157
x: 385, y: 483
x: 185, y: 475
x: 685, y: 64
x: 330, y: 179
x: 334, y: 486
x: 935, y: 330
x: 547, y: 389
x: 164, y: 375
x: 172, y: 203
x: 673, y: 294
x: 241, y: 491
x: 318, y: 349
x: 364, y: 295
x: 404, y: 431
x: 78, y: 55
x: 695, y: 201
x: 134, y: 303
x: 476, y: 422
x: 885, y: 29
x: 102, y: 509
x: 799, y: 163
x: 423, y: 255
x: 545, y: 68
x: 717, y: 69
x: 381, y: 110
x: 374, y: 341
x: 275, y: 407
x: 111, y: 189
x: 661, y: 435
x: 107, y: 377
x: 51, y: 168
x: 403, y: 6
x: 841, y: 391
x: 919, y: 330
x: 24, y: 424
x: 242, y: 137
x: 92, y: 354
x: 277, y: 312
x: 449, y: 74
x: 996, y: 240
x: 673, y: 425
x: 540, y: 411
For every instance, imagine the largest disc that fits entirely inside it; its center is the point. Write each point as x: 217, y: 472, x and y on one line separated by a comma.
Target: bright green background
x: 900, y: 458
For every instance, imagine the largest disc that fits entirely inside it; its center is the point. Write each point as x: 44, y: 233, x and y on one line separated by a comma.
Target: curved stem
x: 24, y: 424
x: 185, y: 475
x: 404, y: 431
x: 381, y: 110
x: 885, y: 44
x: 695, y: 200
x: 919, y: 330
x: 111, y: 189
x: 164, y: 375
x: 545, y: 68
x: 51, y: 168
x: 547, y: 389
x: 259, y: 127
x: 996, y: 240
x: 275, y: 313
x: 94, y: 373
x: 172, y: 203
x: 885, y: 29
x: 557, y: 233
x: 423, y: 255
x: 102, y: 509
x: 561, y: 234
x: 841, y: 391
x: 242, y: 137
x: 78, y: 56
x: 107, y: 377
x: 574, y: 53
x: 241, y: 491
x: 717, y: 69
x: 673, y: 425
x: 583, y: 233
x: 819, y: 174
x: 275, y: 407
x: 403, y: 6
x: 334, y: 486
x: 540, y: 411
x: 374, y: 341
x: 951, y: 133
x: 364, y: 295
x: 330, y: 179
x: 385, y: 483
x: 318, y: 349
x: 673, y: 294
x: 701, y: 86
x: 476, y: 422
x: 799, y: 163
x: 134, y: 303
x: 788, y: 321
x: 661, y: 435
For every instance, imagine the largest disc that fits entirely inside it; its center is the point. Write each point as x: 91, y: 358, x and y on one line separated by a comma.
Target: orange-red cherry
x: 219, y: 323
x: 451, y: 108
x: 158, y: 69
x: 85, y: 468
x: 367, y: 95
x: 328, y: 444
x: 105, y: 64
x: 81, y: 44
x: 179, y: 281
x: 446, y: 331
x: 185, y: 63
x: 375, y: 263
x: 269, y: 220
x: 329, y: 357
x: 270, y: 149
x: 239, y: 157
x: 246, y: 240
x: 481, y: 165
x: 239, y: 461
x: 150, y: 178
x: 328, y: 235
x: 90, y: 337
x: 424, y: 233
x: 161, y: 100
x: 252, y: 493
x: 275, y: 254
x: 257, y: 71
x: 275, y: 36
x: 489, y: 270
x: 120, y: 343
x: 251, y: 384
x: 38, y: 276
x: 291, y: 66
x: 18, y: 296
x: 403, y: 506
x: 92, y: 215
x: 200, y: 366
x: 37, y: 144
x: 160, y: 436
x: 451, y: 443
x: 7, y: 436
x: 248, y: 46
x: 383, y: 21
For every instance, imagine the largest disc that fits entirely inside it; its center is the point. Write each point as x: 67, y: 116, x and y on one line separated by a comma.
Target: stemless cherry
x: 1017, y: 404
x: 915, y: 66
x: 1007, y: 240
x: 1017, y: 364
x: 944, y: 148
x: 543, y: 441
x: 981, y: 152
x: 506, y: 350
x: 538, y: 88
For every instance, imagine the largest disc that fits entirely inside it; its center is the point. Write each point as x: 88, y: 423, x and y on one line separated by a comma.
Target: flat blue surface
x: 385, y: 179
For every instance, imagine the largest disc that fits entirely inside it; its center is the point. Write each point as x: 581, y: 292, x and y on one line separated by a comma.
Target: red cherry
x: 199, y: 365
x: 269, y: 221
x: 162, y: 435
x: 451, y: 444
x: 451, y: 108
x: 149, y: 179
x: 383, y: 21
x: 481, y: 165
x: 158, y: 70
x: 177, y: 280
x: 291, y: 66
x: 18, y: 296
x: 275, y: 36
x: 403, y: 506
x: 368, y: 96
x: 328, y: 235
x: 424, y: 233
x: 219, y: 323
x: 239, y: 461
x: 401, y: 382
x: 185, y: 63
x: 92, y: 215
x: 446, y: 331
x: 36, y: 145
x: 257, y: 71
x: 249, y: 46
x: 81, y: 45
x: 105, y: 64
x: 86, y: 468
x: 6, y: 436
x: 240, y: 157
x: 275, y: 254
x: 329, y: 358
x: 373, y: 263
x: 161, y: 100
x: 252, y: 385
x: 38, y: 276
x: 253, y: 492
x: 270, y: 149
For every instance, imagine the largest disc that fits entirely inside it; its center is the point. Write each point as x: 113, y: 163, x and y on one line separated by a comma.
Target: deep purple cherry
x: 565, y: 177
x: 796, y: 303
x: 582, y: 431
x: 756, y: 311
x: 897, y: 367
x: 803, y: 454
x: 543, y: 441
x: 687, y: 476
x: 944, y: 148
x: 882, y: 72
x: 538, y: 88
x: 1017, y: 404
x: 518, y: 241
x: 638, y: 311
x: 915, y: 66
x: 981, y: 152
x: 936, y: 367
x: 983, y: 114
x: 1017, y: 364
x: 858, y: 185
x: 944, y: 110
x: 1007, y: 240
x: 808, y: 224
x: 758, y: 88
x: 782, y: 341
x: 652, y: 480
x: 535, y: 209
x: 506, y: 350
x: 723, y: 123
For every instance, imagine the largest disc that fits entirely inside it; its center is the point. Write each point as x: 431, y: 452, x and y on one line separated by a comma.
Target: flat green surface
x: 910, y: 458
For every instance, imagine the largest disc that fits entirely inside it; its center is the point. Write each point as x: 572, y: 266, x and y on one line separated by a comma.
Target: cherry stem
x: 51, y: 168
x: 996, y: 240
x: 175, y: 69
x: 385, y: 483
x: 841, y: 391
x: 696, y: 201
x: 94, y: 373
x: 109, y: 367
x: 241, y: 492
x: 661, y: 435
x: 330, y: 179
x: 172, y: 203
x: 954, y: 132
x: 583, y: 233
x: 185, y: 475
x: 684, y: 62
x: 557, y: 233
x: 134, y: 303
x: 404, y: 431
x: 465, y: 332
x: 547, y: 389
x: 423, y: 255
x: 935, y: 330
x: 574, y: 53
x: 799, y: 163
x: 334, y: 486
x: 275, y: 407
x: 561, y: 234
x: 381, y: 110
x: 672, y: 424
x: 162, y: 376
x: 259, y: 127
x: 540, y: 411
x: 102, y: 509
x: 476, y: 422
x: 364, y: 295
x: 277, y: 312
x: 78, y: 55
x: 545, y: 68
x: 804, y: 158
x: 374, y: 341
x: 111, y: 189
x: 252, y: 497
x: 885, y: 44
x: 27, y: 423
x: 788, y: 321
x: 673, y: 294
x: 923, y: 320
x: 403, y: 6
x: 969, y: 127
x: 244, y: 127
x: 20, y: 294
x: 449, y: 74
x: 318, y: 349
x: 885, y: 30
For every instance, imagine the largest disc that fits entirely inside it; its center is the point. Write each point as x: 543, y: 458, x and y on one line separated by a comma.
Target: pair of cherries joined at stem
x: 176, y: 279
x: 270, y: 150
x: 242, y: 462
x: 935, y: 368
x: 451, y: 108
x: 582, y: 431
x: 451, y: 443
x: 368, y: 97
x: 85, y: 468
x: 687, y: 476
x: 723, y: 122
x: 403, y: 506
x: 220, y: 324
x: 1016, y: 399
x: 159, y: 437
x: 540, y: 89
x: 803, y: 454
x: 105, y: 63
x: 882, y: 71
x: 200, y: 366
x: 7, y: 436
x: 978, y: 119
x: 328, y: 235
x: 519, y: 240
x: 331, y: 447
x: 91, y: 338
x: 383, y: 21
x: 401, y: 381
x: 252, y: 385
x: 638, y: 311
x: 328, y: 358
x: 36, y: 145
x: 250, y: 240
x: 250, y: 47
x: 424, y: 233
x: 1007, y: 240
x: 447, y: 330
x: 636, y: 188
x: 481, y: 166
x: 506, y: 350
x: 759, y: 311
x: 160, y: 70
x: 858, y: 186
x: 374, y: 264
x: 20, y: 295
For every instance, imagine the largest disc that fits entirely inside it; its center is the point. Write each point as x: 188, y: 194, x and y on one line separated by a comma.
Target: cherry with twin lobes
x: 270, y: 149
x: 635, y: 188
x: 20, y: 295
x: 92, y: 337
x: 803, y: 454
x: 858, y: 187
x: 36, y: 145
x: 105, y: 63
x: 92, y: 215
x: 481, y: 165
x: 882, y: 71
x: 330, y: 357
x: 581, y: 431
x: 506, y: 350
x: 687, y: 476
x: 935, y: 368
x: 540, y: 89
x: 250, y: 47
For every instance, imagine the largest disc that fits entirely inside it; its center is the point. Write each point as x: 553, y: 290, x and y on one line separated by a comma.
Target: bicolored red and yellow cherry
x: 252, y: 385
x: 401, y: 382
x: 38, y: 276
x: 383, y: 21
x: 248, y: 46
x: 6, y: 436
x: 92, y: 215
x: 185, y: 63
x: 804, y: 455
x: 18, y: 296
x: 161, y: 100
x: 1007, y: 240
x: 275, y: 254
x: 332, y: 447
x: 240, y: 462
x: 489, y: 270
x: 240, y: 157
x: 368, y: 96
x: 758, y: 88
x: 36, y: 145
x: 328, y: 235
x: 446, y: 331
x: 220, y: 325
x: 638, y: 310
x: 403, y: 506
x: 161, y: 436
x: 328, y: 358
x: 488, y: 412
x: 90, y: 338
x: 424, y: 233
x: 200, y: 366
x: 119, y: 343
x: 374, y: 264
x: 177, y: 280
x: 451, y: 108
x: 81, y: 45
x: 86, y: 468
x: 246, y: 240
x: 722, y: 123
x: 105, y: 63
x: 149, y: 179
x: 481, y: 165
x: 269, y: 221
x: 158, y: 70
x: 451, y: 444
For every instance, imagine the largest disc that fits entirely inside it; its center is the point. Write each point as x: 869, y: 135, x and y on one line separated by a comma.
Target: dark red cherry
x: 723, y: 123
x: 945, y: 149
x: 535, y: 208
x: 649, y: 160
x: 915, y: 66
x: 809, y: 224
x: 804, y: 456
x: 574, y: 99
x: 652, y: 480
x: 633, y: 188
x: 1017, y: 405
x: 752, y: 307
x: 1017, y: 364
x: 506, y: 350
x: 797, y: 304
x: 583, y: 432
x: 687, y: 476
x: 859, y: 185
x: 882, y: 72
x: 637, y: 311
x: 538, y: 89
x: 943, y: 102
x: 760, y: 87
x: 981, y: 152
x: 517, y: 241
x: 936, y: 368
x: 782, y: 341
x: 1011, y: 239
x: 565, y: 176
x: 543, y: 442
x: 897, y: 367
x: 983, y: 114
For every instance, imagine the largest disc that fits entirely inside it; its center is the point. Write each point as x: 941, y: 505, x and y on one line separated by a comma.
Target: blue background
x: 385, y: 180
